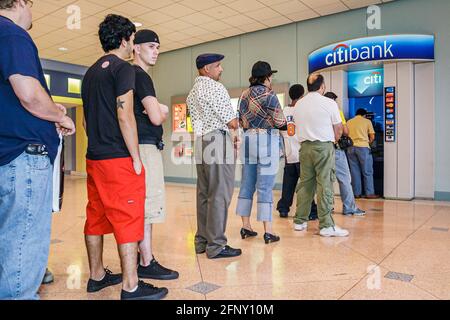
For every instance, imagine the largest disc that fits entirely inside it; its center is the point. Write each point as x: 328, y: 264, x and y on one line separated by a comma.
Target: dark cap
x: 145, y: 36
x: 262, y: 69
x: 208, y: 58
x: 361, y: 112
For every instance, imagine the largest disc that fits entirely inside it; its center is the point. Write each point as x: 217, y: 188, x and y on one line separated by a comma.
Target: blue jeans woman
x: 261, y: 115
x: 260, y: 156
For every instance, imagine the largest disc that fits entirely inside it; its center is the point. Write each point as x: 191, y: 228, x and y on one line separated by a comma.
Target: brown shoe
x: 372, y: 196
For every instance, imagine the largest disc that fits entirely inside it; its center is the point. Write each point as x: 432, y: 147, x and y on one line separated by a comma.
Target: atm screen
x: 373, y: 105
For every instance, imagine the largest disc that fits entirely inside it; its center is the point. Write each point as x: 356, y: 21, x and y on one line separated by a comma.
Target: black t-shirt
x: 109, y: 78
x: 145, y: 88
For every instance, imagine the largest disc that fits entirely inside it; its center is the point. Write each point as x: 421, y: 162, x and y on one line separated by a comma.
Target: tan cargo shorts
x: 155, y: 198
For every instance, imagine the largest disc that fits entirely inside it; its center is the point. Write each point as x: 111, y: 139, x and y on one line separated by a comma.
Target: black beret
x: 208, y: 58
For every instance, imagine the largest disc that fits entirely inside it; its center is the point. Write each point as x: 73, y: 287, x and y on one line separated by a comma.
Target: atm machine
x: 393, y: 77
x: 365, y: 90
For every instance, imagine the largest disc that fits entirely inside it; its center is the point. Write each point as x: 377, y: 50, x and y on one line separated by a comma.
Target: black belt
x: 154, y: 141
x: 149, y: 141
x: 37, y: 149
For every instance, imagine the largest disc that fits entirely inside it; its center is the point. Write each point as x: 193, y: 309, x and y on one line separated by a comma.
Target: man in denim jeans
x: 29, y: 121
x: 359, y: 156
x: 343, y: 172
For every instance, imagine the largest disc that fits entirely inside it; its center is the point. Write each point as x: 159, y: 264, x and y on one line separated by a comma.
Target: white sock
x: 102, y: 277
x: 134, y: 290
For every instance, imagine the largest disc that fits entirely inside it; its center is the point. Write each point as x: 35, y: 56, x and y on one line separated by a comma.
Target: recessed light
x: 63, y: 49
x: 137, y: 24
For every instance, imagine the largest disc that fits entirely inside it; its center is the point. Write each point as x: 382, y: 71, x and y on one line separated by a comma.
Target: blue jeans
x: 345, y: 182
x: 261, y: 158
x: 25, y: 223
x: 361, y: 162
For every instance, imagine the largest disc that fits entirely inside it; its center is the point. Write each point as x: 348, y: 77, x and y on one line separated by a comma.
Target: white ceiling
x: 179, y: 23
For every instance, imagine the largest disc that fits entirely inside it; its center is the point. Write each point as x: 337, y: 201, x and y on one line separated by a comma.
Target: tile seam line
x: 390, y: 253
x: 425, y: 290
x: 196, y: 255
x: 296, y: 282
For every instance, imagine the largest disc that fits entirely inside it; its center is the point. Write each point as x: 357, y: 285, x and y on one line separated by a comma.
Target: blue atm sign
x: 365, y: 83
x: 381, y: 48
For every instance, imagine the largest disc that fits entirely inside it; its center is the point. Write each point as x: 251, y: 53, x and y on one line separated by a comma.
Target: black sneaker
x: 156, y: 271
x: 110, y: 279
x: 284, y: 214
x: 227, y: 252
x: 145, y: 291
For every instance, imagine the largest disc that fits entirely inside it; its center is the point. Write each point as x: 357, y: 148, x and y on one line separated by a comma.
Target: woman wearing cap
x: 261, y: 117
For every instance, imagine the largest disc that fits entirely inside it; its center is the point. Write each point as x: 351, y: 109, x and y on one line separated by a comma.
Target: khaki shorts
x: 155, y: 198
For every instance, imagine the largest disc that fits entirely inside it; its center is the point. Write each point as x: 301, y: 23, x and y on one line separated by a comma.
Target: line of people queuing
x: 123, y: 121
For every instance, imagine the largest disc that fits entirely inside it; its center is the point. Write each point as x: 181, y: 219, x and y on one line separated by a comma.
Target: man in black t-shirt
x: 150, y: 115
x: 116, y: 179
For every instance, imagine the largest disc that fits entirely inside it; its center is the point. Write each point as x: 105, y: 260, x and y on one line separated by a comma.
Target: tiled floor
x: 407, y: 238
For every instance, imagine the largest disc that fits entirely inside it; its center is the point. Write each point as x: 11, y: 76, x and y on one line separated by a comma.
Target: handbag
x: 345, y: 142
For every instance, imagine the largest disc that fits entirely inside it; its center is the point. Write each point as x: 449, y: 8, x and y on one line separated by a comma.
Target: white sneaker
x: 333, y: 232
x: 359, y: 212
x: 301, y: 227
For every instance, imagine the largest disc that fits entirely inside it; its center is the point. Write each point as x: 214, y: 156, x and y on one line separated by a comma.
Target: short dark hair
x: 296, y: 91
x: 257, y: 80
x: 331, y: 95
x: 113, y: 30
x: 7, y: 4
x: 361, y: 112
x: 314, y: 82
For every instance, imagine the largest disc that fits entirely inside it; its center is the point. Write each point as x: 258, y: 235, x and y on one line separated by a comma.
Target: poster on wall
x: 181, y: 121
x: 390, y: 110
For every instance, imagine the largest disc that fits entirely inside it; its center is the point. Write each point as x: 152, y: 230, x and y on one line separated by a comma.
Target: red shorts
x: 116, y: 196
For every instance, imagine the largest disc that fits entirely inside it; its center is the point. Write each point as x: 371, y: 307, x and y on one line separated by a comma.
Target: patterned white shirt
x: 210, y: 106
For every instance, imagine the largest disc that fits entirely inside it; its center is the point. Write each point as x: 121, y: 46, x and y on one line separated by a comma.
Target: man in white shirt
x: 212, y: 118
x: 321, y: 126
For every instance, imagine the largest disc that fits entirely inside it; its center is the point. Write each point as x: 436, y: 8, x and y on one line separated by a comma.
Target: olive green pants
x: 317, y: 173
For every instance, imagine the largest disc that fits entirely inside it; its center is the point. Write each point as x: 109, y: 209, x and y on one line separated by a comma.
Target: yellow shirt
x: 359, y: 129
x: 342, y: 117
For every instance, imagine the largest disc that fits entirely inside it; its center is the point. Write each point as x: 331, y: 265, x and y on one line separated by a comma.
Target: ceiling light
x: 63, y: 49
x: 137, y: 24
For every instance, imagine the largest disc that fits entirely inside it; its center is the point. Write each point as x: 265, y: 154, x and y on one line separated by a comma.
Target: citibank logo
x: 374, y: 78
x: 407, y: 47
x: 344, y: 53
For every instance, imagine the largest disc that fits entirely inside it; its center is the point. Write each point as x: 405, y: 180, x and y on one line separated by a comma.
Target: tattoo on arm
x: 120, y: 103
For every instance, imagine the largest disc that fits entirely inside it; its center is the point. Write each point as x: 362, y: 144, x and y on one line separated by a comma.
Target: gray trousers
x: 215, y: 162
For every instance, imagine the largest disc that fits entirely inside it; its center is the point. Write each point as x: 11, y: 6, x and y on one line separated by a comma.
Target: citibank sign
x: 381, y: 48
